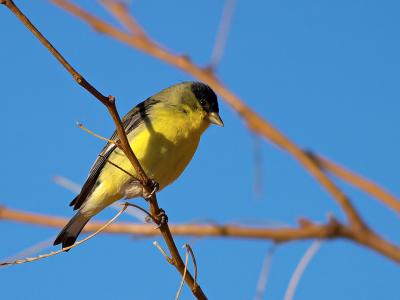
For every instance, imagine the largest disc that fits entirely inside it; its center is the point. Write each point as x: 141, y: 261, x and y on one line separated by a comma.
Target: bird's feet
x: 154, y: 188
x: 162, y: 218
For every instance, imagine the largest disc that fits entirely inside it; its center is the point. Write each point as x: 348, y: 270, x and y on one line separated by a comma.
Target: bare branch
x: 363, y: 184
x: 266, y: 267
x: 31, y: 259
x: 120, y: 11
x: 81, y: 126
x: 68, y: 184
x: 178, y: 293
x: 36, y: 248
x: 258, y: 167
x: 307, y: 230
x: 223, y: 31
x: 298, y: 272
x: 190, y: 250
x: 163, y: 252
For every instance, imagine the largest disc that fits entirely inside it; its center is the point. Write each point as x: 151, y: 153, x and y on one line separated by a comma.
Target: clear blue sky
x: 326, y: 73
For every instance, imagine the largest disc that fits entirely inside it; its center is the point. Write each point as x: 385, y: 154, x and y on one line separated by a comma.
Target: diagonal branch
x: 362, y: 183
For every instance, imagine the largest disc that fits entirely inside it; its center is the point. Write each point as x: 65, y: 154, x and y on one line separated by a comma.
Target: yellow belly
x: 164, y: 148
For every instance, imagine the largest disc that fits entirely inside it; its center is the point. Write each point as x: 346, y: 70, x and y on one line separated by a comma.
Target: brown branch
x: 306, y: 230
x: 109, y: 101
x: 253, y: 120
x: 362, y: 183
x: 123, y: 144
x: 118, y: 9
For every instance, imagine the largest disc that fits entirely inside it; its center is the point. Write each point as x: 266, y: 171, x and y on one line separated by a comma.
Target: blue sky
x: 325, y: 73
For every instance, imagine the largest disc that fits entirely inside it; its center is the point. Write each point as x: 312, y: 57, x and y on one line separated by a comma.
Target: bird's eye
x: 203, y: 102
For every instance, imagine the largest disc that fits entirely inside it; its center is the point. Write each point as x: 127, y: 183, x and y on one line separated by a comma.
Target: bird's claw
x: 162, y: 218
x: 154, y: 188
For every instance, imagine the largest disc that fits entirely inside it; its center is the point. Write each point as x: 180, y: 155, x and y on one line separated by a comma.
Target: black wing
x: 131, y: 121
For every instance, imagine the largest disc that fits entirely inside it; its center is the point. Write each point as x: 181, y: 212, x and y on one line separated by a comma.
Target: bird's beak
x: 214, y: 118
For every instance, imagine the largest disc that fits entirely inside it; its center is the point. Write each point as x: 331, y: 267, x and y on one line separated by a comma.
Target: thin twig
x: 188, y: 248
x: 31, y: 250
x: 222, y: 35
x: 178, y: 293
x: 258, y: 167
x: 81, y: 126
x: 31, y: 259
x: 298, y: 272
x: 265, y: 270
x: 68, y: 184
x: 163, y: 252
x: 144, y: 211
x: 119, y: 168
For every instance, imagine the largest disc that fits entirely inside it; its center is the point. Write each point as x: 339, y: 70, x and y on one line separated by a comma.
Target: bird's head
x: 207, y: 100
x: 195, y: 99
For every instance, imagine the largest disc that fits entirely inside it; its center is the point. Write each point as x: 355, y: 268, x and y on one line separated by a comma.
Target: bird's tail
x: 70, y: 232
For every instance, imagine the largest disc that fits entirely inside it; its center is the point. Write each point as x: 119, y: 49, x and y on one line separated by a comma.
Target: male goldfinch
x: 164, y: 132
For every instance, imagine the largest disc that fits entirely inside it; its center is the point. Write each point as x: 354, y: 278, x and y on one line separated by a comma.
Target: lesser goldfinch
x: 163, y: 132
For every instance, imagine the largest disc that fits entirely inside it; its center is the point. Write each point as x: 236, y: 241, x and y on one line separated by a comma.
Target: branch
x: 301, y: 266
x: 265, y: 270
x: 222, y: 35
x: 123, y: 144
x: 305, y: 231
x: 53, y: 253
x: 362, y: 183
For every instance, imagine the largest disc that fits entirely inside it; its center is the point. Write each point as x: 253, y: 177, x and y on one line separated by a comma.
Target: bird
x: 164, y: 132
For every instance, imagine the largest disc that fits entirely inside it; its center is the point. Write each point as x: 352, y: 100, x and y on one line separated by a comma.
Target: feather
x: 131, y: 121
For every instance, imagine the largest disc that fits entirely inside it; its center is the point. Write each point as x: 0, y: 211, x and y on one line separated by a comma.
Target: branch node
x: 333, y: 226
x: 303, y: 222
x: 209, y: 70
x: 154, y: 187
x: 111, y: 99
x: 78, y: 78
x: 161, y: 219
x: 185, y: 58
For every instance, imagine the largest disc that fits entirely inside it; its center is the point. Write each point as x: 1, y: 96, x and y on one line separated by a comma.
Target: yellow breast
x: 164, y: 146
